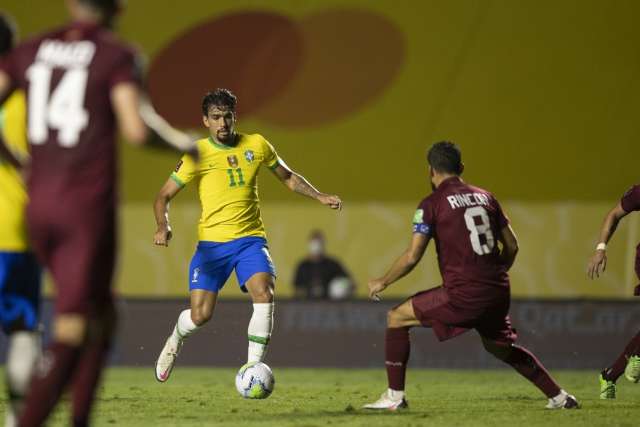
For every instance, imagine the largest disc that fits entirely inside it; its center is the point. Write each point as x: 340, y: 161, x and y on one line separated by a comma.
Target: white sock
x: 259, y: 331
x: 395, y: 394
x: 560, y: 397
x: 184, y: 327
x: 24, y: 350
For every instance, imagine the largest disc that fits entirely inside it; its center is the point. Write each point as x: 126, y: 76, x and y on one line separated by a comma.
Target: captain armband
x: 421, y: 228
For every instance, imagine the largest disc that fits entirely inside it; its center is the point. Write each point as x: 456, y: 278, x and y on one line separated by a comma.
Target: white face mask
x: 316, y: 247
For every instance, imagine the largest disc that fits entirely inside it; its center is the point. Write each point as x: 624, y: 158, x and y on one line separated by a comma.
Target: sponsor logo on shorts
x: 196, y: 273
x: 233, y: 161
x: 249, y: 156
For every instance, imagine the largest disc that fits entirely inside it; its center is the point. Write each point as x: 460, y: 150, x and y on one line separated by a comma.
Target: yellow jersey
x: 13, y: 196
x: 228, y: 186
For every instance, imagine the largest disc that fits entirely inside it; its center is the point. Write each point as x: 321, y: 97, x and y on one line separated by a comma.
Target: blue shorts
x: 213, y: 262
x: 20, y: 279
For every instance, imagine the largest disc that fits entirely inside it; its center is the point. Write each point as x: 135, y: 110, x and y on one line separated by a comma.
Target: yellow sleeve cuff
x: 177, y: 180
x: 274, y: 165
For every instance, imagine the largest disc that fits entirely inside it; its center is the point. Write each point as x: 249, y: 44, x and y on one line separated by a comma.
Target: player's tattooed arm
x: 509, y: 246
x: 402, y: 266
x: 299, y: 184
x: 598, y: 261
x: 161, y: 211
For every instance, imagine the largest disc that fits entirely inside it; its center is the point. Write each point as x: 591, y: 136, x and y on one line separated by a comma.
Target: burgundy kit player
x: 476, y: 247
x: 628, y: 362
x: 82, y: 84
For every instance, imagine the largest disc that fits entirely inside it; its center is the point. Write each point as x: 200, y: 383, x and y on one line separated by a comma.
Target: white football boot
x: 563, y: 401
x: 167, y: 358
x: 391, y: 400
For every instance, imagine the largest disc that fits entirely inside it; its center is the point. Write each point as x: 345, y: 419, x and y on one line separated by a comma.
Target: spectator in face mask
x: 319, y: 276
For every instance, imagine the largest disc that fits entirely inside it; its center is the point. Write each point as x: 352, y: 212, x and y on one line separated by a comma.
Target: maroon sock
x: 530, y: 367
x: 86, y: 380
x: 50, y: 377
x: 397, y: 348
x: 615, y: 371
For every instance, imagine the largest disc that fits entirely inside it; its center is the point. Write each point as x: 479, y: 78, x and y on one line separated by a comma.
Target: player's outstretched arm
x: 598, y: 261
x: 402, y: 266
x: 509, y: 246
x: 125, y: 98
x: 167, y: 134
x: 161, y: 211
x: 298, y: 183
x: 139, y: 122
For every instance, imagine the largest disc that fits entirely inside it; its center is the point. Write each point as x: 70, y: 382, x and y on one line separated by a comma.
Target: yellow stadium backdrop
x: 542, y: 96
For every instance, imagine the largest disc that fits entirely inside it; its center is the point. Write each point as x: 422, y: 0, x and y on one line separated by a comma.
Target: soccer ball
x: 255, y: 381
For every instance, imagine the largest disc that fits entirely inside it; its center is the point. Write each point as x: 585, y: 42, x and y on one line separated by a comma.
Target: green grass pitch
x: 325, y: 397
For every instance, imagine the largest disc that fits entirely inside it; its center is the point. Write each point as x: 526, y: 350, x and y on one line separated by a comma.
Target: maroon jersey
x: 67, y: 75
x: 630, y: 202
x: 465, y: 222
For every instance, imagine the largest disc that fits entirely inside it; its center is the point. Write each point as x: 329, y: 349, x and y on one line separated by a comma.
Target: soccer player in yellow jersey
x: 19, y: 271
x: 231, y: 231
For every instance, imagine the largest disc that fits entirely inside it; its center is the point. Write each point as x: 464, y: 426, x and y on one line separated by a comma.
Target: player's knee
x: 263, y: 294
x: 499, y: 350
x: 201, y: 315
x: 394, y: 319
x: 70, y: 329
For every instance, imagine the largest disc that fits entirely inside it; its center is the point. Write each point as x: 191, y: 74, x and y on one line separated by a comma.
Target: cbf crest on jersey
x: 233, y: 161
x: 249, y: 155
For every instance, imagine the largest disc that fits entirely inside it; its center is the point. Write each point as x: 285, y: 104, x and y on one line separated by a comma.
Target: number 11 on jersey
x: 232, y: 178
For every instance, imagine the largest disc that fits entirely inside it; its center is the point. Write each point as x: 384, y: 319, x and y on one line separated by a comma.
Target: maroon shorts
x: 79, y: 253
x: 449, y: 318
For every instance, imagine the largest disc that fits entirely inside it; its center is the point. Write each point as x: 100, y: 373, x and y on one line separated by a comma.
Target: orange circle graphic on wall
x: 293, y: 74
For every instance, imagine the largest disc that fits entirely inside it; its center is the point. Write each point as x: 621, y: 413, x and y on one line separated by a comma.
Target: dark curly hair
x: 445, y: 157
x: 108, y: 7
x: 220, y: 98
x: 7, y: 34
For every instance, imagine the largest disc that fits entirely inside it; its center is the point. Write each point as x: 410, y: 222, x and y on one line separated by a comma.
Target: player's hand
x: 375, y: 287
x: 162, y: 236
x: 597, y: 264
x: 334, y: 202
